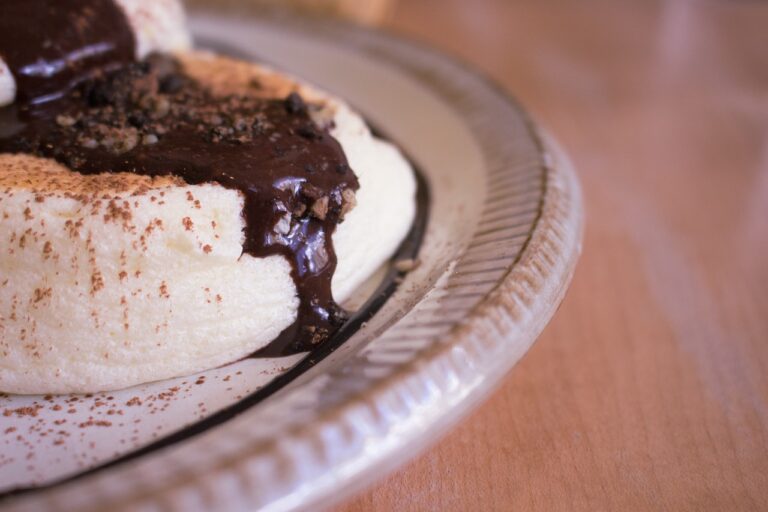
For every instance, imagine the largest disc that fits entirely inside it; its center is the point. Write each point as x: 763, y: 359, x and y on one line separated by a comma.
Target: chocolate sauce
x: 51, y: 45
x: 105, y: 114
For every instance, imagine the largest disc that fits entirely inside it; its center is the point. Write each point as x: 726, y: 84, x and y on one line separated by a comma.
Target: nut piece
x: 320, y: 208
x: 348, y: 202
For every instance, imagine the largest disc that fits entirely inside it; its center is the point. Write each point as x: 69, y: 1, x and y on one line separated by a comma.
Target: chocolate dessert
x: 149, y: 151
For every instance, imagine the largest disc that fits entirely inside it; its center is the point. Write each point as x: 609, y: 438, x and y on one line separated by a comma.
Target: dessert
x: 165, y: 213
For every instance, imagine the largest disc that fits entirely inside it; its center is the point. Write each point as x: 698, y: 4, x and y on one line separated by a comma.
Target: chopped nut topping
x: 348, y: 201
x: 320, y: 208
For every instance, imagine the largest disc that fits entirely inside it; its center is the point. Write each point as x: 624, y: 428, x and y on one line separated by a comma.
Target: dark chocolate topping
x: 151, y: 118
x: 51, y: 45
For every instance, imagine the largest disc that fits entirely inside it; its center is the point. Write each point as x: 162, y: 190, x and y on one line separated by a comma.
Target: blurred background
x: 649, y: 390
x: 370, y: 12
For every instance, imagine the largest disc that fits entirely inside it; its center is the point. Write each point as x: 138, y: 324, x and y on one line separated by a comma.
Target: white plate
x: 503, y: 235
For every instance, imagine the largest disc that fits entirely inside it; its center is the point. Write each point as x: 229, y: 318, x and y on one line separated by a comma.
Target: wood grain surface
x: 649, y: 389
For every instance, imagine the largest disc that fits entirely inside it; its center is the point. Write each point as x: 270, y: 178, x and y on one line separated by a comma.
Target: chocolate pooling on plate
x: 85, y: 101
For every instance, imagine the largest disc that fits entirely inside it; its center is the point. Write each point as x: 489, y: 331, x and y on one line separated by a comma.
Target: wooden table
x: 649, y: 389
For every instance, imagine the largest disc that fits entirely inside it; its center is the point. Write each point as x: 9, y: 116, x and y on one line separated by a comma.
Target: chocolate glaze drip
x: 150, y: 118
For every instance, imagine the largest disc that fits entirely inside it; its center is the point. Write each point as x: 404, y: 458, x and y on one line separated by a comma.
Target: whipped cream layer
x: 111, y: 280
